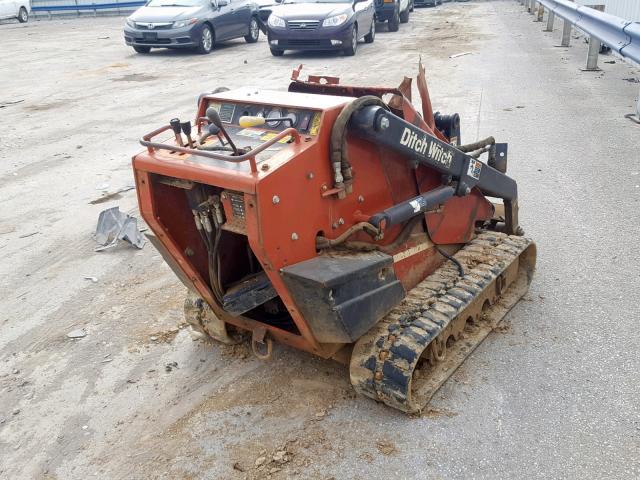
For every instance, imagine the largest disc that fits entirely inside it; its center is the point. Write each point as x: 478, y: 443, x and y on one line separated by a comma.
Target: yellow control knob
x: 246, y: 121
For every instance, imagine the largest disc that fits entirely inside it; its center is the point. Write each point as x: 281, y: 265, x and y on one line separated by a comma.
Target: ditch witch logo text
x: 425, y: 146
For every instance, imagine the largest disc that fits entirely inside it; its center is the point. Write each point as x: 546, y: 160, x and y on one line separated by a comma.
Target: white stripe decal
x: 398, y: 257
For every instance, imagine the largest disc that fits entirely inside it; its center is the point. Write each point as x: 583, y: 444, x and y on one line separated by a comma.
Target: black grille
x: 156, y: 41
x: 156, y: 26
x: 304, y: 43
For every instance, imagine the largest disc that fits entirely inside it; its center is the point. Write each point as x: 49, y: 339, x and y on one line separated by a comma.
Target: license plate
x: 150, y: 35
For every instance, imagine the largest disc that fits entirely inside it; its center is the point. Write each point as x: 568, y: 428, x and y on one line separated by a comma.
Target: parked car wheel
x: 394, y: 22
x: 371, y: 36
x: 277, y: 53
x: 404, y: 16
x: 254, y: 31
x: 141, y: 49
x: 350, y: 51
x: 23, y: 15
x: 206, y: 40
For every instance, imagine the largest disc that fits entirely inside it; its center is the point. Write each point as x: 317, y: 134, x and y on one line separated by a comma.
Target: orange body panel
x: 286, y: 206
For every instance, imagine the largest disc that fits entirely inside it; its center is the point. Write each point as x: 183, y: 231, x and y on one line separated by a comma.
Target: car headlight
x: 276, y: 21
x: 335, y: 20
x: 184, y: 23
x: 131, y: 23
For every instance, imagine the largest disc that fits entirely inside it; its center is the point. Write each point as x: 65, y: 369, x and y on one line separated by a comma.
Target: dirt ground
x: 137, y: 398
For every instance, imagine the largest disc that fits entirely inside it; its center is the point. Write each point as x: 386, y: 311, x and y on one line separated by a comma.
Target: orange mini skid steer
x: 338, y: 220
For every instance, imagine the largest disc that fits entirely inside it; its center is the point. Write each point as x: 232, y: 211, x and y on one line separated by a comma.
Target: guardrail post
x: 592, y: 55
x: 540, y: 13
x: 550, y: 20
x: 566, y: 34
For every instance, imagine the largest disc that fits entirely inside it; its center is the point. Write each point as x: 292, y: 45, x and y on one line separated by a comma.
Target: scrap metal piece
x: 324, y: 79
x: 404, y: 88
x: 78, y: 333
x: 114, y: 225
x: 633, y: 117
x: 427, y: 108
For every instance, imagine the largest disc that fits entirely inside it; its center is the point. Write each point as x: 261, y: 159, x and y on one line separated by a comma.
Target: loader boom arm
x: 382, y: 127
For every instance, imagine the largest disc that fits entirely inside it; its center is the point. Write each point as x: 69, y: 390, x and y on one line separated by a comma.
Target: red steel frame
x: 284, y: 232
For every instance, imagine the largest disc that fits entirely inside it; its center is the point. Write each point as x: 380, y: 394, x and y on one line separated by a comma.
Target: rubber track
x: 386, y: 357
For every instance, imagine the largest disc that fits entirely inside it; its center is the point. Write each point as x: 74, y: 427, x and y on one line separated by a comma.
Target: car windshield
x: 175, y: 3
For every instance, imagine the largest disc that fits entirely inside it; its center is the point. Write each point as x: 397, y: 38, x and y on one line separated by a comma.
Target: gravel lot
x: 555, y: 394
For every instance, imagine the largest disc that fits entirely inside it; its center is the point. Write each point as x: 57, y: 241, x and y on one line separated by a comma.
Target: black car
x: 191, y: 24
x: 394, y: 12
x: 321, y: 25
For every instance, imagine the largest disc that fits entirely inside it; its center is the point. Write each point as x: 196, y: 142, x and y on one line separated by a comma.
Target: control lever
x: 213, y: 129
x: 175, y: 126
x: 214, y: 118
x: 186, y: 129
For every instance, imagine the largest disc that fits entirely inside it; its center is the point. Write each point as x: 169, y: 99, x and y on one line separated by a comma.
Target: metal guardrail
x: 53, y: 7
x: 622, y: 36
x: 92, y: 6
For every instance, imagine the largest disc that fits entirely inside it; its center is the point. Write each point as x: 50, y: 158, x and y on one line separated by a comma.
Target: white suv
x: 15, y: 9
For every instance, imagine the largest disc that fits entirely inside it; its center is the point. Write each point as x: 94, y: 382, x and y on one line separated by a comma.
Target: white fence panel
x: 627, y: 9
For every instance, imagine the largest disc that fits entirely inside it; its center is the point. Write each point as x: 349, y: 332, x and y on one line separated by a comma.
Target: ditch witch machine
x: 340, y: 221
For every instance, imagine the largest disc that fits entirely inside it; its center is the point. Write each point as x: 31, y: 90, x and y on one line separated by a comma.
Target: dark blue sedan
x: 321, y: 25
x: 195, y: 24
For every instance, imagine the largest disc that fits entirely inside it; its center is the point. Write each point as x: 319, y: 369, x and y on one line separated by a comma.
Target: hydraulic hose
x: 402, y: 237
x: 478, y: 148
x: 323, y: 242
x: 342, y: 175
x: 470, y: 147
